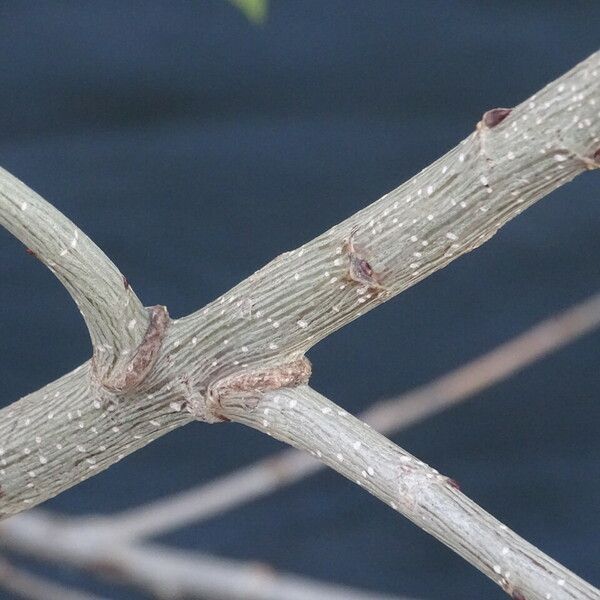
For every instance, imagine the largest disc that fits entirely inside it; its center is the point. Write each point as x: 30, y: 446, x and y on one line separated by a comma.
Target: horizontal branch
x: 387, y: 416
x: 114, y: 315
x: 160, y: 570
x: 306, y: 420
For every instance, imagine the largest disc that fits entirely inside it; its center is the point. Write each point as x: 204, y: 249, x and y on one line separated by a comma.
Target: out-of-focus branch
x: 500, y: 363
x: 161, y: 571
x: 32, y: 587
x: 387, y: 417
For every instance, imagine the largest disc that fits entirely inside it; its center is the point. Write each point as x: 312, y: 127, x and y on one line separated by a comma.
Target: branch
x: 289, y: 466
x: 66, y: 432
x: 253, y: 338
x: 115, y: 317
x: 162, y: 571
x: 32, y: 587
x: 450, y: 208
x: 306, y: 420
x: 388, y: 416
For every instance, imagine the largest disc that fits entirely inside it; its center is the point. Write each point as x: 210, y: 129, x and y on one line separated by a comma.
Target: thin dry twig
x: 32, y: 587
x: 161, y: 571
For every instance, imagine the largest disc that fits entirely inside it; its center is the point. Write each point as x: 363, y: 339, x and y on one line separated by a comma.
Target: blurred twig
x: 31, y: 587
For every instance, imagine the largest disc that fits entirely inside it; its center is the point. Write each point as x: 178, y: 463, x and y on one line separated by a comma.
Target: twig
x: 71, y: 430
x: 115, y: 317
x: 307, y: 420
x: 162, y: 571
x: 256, y: 334
x: 388, y: 416
x: 485, y: 371
x: 291, y: 465
x: 31, y: 587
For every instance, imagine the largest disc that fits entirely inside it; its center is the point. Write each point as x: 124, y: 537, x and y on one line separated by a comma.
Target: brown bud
x: 493, y: 117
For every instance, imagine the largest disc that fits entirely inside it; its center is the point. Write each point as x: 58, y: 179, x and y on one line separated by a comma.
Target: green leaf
x: 255, y: 10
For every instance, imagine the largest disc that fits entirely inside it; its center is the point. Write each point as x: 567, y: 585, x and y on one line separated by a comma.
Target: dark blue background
x: 193, y: 146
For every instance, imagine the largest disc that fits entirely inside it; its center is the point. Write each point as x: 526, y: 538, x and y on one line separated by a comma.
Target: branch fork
x: 58, y: 436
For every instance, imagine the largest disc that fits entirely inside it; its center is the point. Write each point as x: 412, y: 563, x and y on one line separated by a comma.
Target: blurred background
x: 194, y: 142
